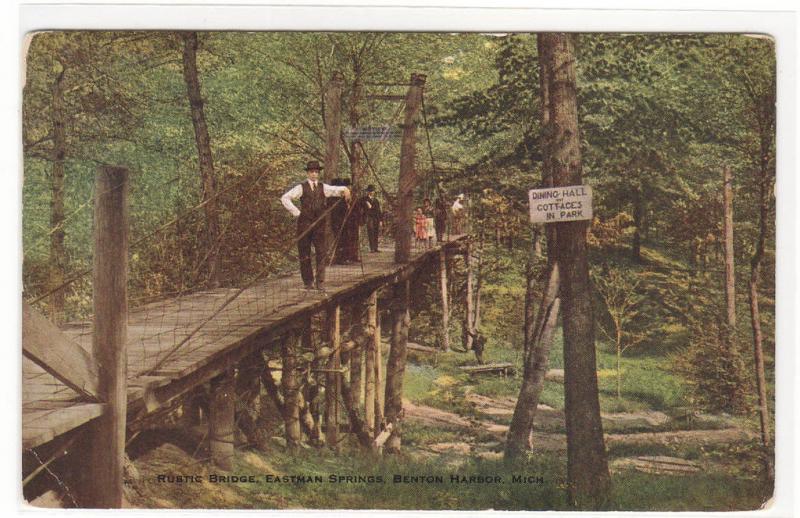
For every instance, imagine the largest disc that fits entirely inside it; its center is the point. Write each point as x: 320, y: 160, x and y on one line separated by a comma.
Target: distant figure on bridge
x: 420, y: 227
x: 458, y: 215
x: 344, y: 224
x: 430, y: 226
x: 370, y: 209
x: 310, y: 223
x: 440, y: 217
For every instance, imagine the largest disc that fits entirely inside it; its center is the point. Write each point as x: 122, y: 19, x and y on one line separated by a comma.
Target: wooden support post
x: 221, y: 420
x: 333, y: 124
x: 379, y: 376
x: 310, y: 415
x: 290, y: 386
x: 332, y: 381
x: 408, y: 174
x: 369, y: 370
x: 357, y: 335
x: 445, y: 302
x: 396, y: 366
x: 110, y: 298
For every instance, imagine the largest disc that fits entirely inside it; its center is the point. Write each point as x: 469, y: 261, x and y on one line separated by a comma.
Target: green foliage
x: 716, y: 371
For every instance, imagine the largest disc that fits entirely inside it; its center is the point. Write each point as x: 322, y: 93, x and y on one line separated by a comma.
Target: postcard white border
x: 580, y: 16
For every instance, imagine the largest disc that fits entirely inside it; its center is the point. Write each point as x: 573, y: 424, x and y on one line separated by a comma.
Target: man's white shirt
x: 296, y: 192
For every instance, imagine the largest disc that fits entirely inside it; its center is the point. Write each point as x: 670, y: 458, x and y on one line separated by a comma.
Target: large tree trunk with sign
x: 588, y: 480
x: 203, y: 142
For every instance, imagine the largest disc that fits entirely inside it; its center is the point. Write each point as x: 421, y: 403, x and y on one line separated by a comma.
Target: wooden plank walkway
x: 227, y: 334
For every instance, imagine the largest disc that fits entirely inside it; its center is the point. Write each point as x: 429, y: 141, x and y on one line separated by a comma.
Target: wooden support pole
x: 110, y: 298
x: 408, y: 175
x: 221, y: 420
x: 290, y: 387
x: 445, y: 302
x: 310, y: 415
x: 379, y: 376
x: 332, y: 381
x: 369, y: 370
x: 333, y: 125
x: 396, y: 366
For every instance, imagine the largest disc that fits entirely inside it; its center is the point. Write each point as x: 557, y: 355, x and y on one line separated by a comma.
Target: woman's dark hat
x: 370, y: 188
x: 313, y: 165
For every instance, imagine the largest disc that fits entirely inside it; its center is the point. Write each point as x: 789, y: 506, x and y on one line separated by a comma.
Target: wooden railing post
x: 110, y: 298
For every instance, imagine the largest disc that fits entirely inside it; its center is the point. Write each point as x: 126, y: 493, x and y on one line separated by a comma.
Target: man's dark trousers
x: 315, y: 236
x: 373, y: 227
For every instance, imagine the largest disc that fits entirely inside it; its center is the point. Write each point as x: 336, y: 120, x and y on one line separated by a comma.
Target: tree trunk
x: 755, y: 314
x: 588, y: 480
x: 396, y: 366
x: 469, y: 311
x: 476, y: 320
x: 730, y: 279
x: 58, y: 251
x: 619, y: 361
x: 636, y: 248
x: 408, y: 174
x: 203, y: 142
x: 538, y: 340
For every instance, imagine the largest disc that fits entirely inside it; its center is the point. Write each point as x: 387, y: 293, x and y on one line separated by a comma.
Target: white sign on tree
x: 568, y: 203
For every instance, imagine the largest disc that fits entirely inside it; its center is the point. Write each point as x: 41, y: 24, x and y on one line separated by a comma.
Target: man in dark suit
x: 310, y: 223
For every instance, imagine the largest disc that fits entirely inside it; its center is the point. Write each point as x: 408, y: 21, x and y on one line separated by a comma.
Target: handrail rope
x: 146, y: 237
x: 237, y: 293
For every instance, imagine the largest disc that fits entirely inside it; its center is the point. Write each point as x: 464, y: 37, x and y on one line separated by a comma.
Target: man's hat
x: 313, y: 165
x: 370, y: 188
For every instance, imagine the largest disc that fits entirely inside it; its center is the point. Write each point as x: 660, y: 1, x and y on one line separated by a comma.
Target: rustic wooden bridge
x: 50, y: 407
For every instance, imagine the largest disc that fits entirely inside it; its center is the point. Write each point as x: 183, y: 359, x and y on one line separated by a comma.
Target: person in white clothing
x: 310, y: 221
x: 458, y: 215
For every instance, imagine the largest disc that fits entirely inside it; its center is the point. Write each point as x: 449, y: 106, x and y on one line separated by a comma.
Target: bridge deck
x: 49, y: 408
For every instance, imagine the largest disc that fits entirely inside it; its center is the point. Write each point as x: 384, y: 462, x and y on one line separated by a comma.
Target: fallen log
x: 504, y: 368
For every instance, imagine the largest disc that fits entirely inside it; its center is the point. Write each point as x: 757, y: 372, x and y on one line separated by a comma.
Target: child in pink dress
x: 420, y: 226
